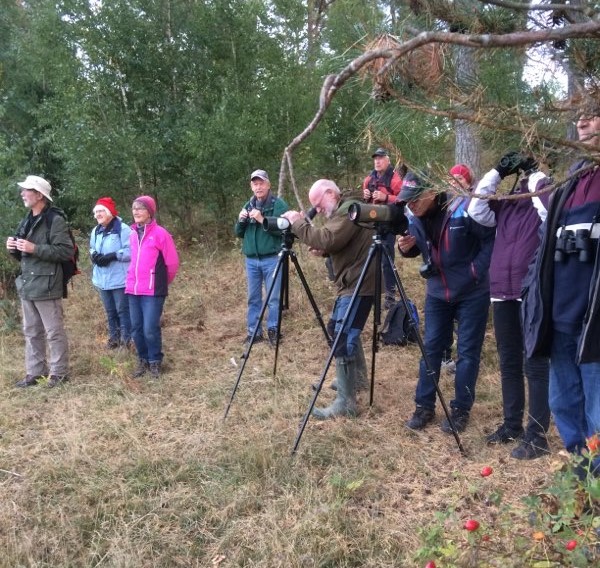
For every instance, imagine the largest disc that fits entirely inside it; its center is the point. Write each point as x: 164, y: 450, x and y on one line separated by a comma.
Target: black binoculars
x: 573, y: 242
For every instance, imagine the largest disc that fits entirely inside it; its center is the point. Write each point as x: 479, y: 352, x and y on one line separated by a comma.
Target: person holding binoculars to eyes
x: 382, y: 187
x: 561, y: 308
x: 456, y: 252
x: 261, y: 249
x: 517, y: 224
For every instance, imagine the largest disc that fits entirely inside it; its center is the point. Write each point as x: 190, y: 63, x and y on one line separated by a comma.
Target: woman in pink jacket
x: 154, y: 264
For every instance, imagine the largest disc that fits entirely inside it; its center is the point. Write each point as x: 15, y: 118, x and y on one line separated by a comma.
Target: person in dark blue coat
x: 456, y: 252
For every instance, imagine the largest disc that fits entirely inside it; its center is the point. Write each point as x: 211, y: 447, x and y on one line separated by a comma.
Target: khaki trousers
x: 43, y: 324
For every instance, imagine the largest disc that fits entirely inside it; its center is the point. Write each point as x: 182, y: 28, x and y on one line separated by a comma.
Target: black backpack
x: 69, y: 267
x: 397, y: 329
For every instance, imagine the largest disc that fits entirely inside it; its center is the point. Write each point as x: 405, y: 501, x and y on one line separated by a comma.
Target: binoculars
x: 573, y: 242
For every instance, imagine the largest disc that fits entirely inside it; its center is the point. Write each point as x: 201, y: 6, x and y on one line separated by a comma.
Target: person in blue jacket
x: 456, y: 252
x: 110, y: 252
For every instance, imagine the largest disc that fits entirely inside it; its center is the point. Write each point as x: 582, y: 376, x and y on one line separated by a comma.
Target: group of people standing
x: 534, y: 258
x: 133, y: 266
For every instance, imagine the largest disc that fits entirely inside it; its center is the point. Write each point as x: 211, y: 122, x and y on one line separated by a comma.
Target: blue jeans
x: 116, y: 306
x: 471, y: 314
x: 348, y: 344
x: 259, y: 271
x: 145, y: 312
x: 574, y: 393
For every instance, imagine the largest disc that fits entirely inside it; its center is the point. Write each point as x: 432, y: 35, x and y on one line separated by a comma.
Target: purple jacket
x: 154, y: 261
x: 517, y: 223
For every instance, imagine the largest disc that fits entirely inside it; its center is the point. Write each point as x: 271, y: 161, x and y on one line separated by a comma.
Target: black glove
x: 509, y: 164
x: 94, y: 256
x: 106, y: 259
x: 528, y: 164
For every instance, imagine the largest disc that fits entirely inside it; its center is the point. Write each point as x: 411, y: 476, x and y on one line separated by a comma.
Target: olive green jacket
x: 41, y: 275
x: 346, y: 243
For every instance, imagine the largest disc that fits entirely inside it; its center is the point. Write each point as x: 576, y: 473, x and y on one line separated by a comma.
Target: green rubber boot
x: 345, y: 401
x: 362, y: 382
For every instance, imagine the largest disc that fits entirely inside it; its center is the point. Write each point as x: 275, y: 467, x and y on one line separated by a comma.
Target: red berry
x: 471, y: 525
x: 571, y: 545
x: 487, y: 470
x: 430, y: 564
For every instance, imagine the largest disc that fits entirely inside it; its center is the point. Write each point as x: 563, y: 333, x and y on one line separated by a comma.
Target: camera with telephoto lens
x: 389, y: 217
x: 573, y: 242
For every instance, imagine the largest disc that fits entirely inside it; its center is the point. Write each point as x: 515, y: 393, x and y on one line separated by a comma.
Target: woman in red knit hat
x: 110, y: 252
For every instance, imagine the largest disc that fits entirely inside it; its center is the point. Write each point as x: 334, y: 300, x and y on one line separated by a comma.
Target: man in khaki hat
x: 41, y: 243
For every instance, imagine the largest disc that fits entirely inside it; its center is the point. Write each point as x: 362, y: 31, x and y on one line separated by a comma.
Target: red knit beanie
x: 148, y: 203
x: 107, y: 203
x: 464, y: 171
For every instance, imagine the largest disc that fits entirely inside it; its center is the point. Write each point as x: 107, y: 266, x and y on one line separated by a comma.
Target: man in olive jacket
x: 348, y: 245
x: 41, y: 244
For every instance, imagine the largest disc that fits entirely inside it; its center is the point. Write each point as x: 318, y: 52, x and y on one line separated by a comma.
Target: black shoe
x: 56, y: 380
x: 257, y: 339
x: 28, y: 381
x: 112, y: 343
x: 460, y: 419
x: 154, y: 368
x: 140, y: 370
x: 531, y: 447
x: 272, y: 335
x: 504, y: 435
x: 420, y: 418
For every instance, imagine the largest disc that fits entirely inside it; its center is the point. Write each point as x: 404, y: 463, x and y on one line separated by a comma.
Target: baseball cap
x: 259, y: 174
x: 380, y: 152
x: 412, y: 187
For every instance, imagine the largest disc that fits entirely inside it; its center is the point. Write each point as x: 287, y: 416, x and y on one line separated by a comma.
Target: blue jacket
x: 115, y: 238
x: 461, y: 256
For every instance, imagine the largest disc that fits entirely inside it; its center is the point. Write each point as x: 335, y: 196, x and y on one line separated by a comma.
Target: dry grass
x: 109, y: 471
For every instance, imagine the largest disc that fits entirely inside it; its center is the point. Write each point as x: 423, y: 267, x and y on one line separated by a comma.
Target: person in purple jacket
x: 517, y: 223
x: 561, y: 311
x: 154, y: 264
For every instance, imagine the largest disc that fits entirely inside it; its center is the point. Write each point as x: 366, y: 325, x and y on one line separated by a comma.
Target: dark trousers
x: 509, y: 341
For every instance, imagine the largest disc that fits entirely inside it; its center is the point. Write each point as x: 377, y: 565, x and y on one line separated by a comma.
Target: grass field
x: 111, y: 471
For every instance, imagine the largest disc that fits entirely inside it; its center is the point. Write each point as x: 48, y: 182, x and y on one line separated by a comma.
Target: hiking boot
x: 257, y: 339
x: 531, y: 447
x: 420, y: 418
x: 504, y: 435
x: 112, y: 343
x: 28, y: 381
x: 154, y: 367
x: 57, y: 380
x: 459, y: 417
x: 141, y: 368
x: 272, y: 335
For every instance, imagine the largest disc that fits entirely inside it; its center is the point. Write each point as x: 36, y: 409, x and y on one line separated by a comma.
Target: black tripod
x: 376, y: 252
x: 282, y: 266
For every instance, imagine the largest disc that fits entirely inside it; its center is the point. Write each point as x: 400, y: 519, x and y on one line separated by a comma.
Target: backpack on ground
x: 69, y: 267
x: 397, y: 329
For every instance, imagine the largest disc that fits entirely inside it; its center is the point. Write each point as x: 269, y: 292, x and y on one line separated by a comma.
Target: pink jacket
x: 154, y: 261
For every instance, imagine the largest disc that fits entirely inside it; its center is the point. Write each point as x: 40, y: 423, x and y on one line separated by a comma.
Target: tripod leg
x: 334, y: 347
x: 430, y: 371
x: 246, y: 355
x: 311, y: 298
x: 283, y: 299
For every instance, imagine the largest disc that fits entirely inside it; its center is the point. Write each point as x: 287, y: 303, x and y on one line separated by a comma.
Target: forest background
x: 182, y: 99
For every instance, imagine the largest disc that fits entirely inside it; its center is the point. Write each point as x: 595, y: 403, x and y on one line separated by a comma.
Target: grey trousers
x: 43, y: 324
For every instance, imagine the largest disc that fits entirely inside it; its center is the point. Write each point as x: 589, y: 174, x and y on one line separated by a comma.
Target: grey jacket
x: 41, y: 271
